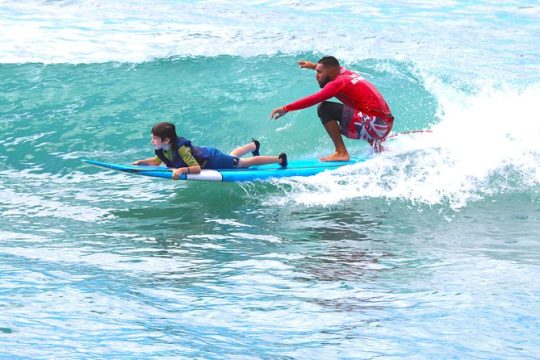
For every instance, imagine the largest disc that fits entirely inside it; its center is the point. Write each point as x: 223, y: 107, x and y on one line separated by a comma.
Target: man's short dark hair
x: 329, y: 61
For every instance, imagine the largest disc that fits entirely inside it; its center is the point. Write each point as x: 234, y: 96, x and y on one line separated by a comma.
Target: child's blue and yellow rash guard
x: 185, y: 154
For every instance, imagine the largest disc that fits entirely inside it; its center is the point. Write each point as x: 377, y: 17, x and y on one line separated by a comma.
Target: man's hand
x: 277, y: 113
x: 306, y: 64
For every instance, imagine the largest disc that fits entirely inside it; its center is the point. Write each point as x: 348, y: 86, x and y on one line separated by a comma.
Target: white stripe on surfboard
x: 206, y: 175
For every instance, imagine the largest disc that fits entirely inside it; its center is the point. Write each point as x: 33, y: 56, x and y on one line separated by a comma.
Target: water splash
x: 484, y: 145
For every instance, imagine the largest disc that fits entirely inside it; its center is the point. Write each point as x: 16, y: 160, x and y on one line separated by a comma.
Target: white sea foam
x: 85, y: 32
x: 101, y: 31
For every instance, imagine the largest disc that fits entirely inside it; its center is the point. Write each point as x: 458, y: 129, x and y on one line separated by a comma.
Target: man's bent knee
x: 322, y: 111
x: 329, y: 111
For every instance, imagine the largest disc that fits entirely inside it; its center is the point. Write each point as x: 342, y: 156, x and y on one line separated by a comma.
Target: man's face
x: 321, y: 74
x: 324, y: 75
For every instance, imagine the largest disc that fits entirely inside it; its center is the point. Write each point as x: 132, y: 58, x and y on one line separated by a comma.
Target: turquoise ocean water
x: 428, y: 251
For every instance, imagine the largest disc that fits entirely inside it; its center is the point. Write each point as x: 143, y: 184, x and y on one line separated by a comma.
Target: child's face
x: 156, y: 141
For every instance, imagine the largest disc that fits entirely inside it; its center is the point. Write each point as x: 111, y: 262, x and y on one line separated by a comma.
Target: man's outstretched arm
x: 307, y: 64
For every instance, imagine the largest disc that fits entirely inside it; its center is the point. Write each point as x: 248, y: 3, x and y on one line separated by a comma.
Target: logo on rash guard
x: 356, y: 78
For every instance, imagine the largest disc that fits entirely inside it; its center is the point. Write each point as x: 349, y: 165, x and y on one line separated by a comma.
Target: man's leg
x: 330, y: 113
x: 341, y: 154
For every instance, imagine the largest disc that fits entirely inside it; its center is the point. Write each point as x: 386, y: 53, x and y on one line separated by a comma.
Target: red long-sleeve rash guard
x: 352, y: 90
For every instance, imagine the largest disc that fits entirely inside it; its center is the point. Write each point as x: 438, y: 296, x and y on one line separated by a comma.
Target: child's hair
x: 165, y: 130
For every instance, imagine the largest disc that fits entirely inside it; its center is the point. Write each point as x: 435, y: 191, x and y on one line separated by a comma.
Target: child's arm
x: 193, y: 166
x: 196, y: 169
x: 150, y: 161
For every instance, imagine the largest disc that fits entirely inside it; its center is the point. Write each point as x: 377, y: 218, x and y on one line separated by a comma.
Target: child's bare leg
x: 262, y: 160
x: 258, y: 160
x: 242, y: 150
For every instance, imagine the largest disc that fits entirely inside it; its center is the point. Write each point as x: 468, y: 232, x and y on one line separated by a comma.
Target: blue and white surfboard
x: 259, y: 172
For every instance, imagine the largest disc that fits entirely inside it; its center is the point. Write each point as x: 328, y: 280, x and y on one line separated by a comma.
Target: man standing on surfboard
x: 364, y: 113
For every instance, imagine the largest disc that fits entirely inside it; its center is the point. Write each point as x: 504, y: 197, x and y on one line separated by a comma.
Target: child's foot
x: 283, y: 158
x: 257, y: 147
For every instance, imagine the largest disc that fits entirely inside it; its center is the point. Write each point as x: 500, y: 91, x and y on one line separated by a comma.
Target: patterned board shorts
x: 356, y: 125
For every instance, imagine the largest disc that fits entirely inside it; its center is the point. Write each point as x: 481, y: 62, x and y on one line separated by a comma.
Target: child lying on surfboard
x: 183, y: 157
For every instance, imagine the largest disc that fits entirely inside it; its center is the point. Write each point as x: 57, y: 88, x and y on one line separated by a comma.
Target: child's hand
x: 138, y: 162
x: 177, y: 173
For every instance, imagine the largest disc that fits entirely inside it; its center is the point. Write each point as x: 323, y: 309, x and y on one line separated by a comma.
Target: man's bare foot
x: 337, y: 157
